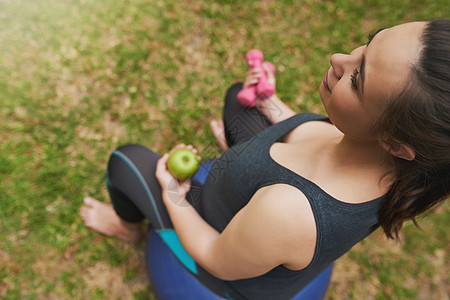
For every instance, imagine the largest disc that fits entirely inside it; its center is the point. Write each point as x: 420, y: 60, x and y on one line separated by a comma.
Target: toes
x: 89, y: 201
x: 92, y: 203
x: 220, y: 125
x: 218, y: 128
x: 216, y: 125
x: 213, y: 125
x: 84, y: 212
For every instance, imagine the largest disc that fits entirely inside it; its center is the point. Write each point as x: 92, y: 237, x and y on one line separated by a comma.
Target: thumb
x: 161, y: 165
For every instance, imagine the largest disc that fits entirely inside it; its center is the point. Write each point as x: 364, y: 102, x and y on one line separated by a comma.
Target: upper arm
x: 275, y: 228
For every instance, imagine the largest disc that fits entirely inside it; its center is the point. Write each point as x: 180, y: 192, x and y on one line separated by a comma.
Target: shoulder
x: 284, y: 212
x: 285, y: 203
x: 311, y: 129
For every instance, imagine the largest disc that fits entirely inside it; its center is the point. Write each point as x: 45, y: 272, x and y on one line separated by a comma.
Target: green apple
x: 183, y: 164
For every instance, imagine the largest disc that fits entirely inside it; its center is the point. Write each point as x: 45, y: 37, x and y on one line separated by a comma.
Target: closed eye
x: 354, y: 78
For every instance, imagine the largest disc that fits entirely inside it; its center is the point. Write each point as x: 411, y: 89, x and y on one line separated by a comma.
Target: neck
x: 363, y: 152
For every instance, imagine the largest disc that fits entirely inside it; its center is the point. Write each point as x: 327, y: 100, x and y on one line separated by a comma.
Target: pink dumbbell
x: 263, y: 89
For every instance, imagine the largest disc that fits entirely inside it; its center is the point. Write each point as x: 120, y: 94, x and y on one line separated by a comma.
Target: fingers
x: 162, y: 162
x: 190, y: 147
x: 269, y: 73
x: 254, y: 74
x: 179, y: 146
x: 161, y: 166
x: 252, y: 77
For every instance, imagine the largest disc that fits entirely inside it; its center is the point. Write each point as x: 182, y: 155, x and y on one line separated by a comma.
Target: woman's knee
x: 129, y: 148
x: 124, y: 156
x: 136, y: 157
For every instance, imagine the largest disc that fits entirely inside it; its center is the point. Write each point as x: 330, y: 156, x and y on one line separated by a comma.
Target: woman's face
x: 356, y: 87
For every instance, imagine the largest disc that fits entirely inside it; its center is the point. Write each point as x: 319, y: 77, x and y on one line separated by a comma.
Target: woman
x: 286, y: 200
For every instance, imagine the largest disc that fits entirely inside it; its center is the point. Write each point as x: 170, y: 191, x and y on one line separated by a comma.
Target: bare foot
x: 102, y: 218
x: 218, y: 129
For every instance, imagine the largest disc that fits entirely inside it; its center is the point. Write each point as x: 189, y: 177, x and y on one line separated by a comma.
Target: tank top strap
x: 276, y: 131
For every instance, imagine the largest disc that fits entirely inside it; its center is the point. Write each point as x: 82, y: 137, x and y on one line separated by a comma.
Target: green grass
x: 79, y: 78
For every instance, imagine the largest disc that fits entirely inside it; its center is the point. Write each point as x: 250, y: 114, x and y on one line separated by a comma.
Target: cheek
x: 341, y: 102
x: 346, y: 111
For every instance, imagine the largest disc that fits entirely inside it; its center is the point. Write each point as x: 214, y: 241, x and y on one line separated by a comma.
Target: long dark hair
x: 420, y: 118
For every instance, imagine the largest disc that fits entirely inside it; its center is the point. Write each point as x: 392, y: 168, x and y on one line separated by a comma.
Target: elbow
x: 215, y: 263
x: 226, y: 273
x: 215, y: 270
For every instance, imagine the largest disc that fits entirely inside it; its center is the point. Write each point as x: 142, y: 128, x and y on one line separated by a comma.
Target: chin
x: 321, y: 91
x: 324, y: 96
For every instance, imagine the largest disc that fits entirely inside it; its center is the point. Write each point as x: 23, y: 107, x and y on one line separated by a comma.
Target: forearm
x: 274, y: 109
x: 195, y: 234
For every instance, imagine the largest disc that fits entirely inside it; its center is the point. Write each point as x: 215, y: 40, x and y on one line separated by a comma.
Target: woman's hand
x: 253, y: 75
x: 272, y: 108
x: 172, y: 189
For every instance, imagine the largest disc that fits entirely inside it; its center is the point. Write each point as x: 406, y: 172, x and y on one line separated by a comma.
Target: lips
x: 325, y: 81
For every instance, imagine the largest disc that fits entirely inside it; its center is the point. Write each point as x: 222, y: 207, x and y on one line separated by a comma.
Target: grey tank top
x: 244, y: 169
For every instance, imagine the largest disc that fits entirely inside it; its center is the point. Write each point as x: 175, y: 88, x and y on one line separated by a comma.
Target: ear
x: 398, y: 149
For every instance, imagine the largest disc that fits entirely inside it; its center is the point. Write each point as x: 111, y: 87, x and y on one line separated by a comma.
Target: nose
x: 338, y: 62
x: 343, y: 63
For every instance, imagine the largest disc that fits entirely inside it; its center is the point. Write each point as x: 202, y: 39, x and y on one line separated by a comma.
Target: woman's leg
x: 134, y: 190
x: 135, y: 194
x: 241, y: 124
